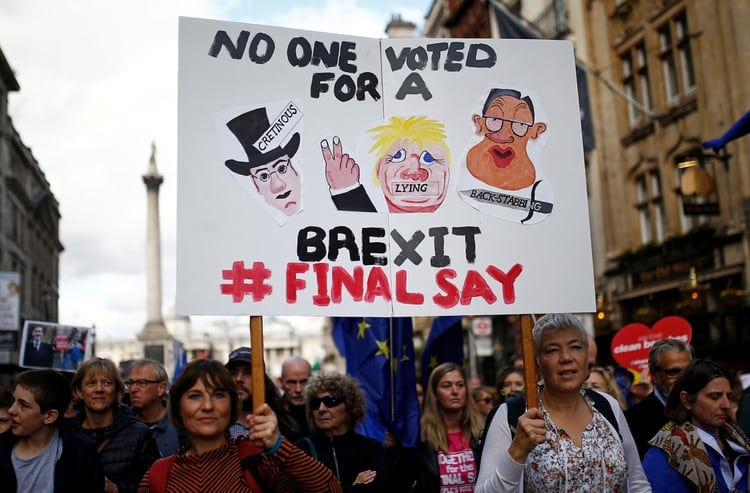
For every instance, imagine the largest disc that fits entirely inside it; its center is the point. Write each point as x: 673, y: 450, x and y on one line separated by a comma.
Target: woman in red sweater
x: 203, y: 402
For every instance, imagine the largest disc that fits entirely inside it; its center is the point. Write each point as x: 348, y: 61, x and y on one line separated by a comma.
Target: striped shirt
x: 219, y: 471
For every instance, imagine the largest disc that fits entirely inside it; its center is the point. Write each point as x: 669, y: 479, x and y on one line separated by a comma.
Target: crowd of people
x: 202, y: 434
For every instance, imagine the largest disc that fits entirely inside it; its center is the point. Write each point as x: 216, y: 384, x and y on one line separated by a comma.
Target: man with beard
x: 239, y: 367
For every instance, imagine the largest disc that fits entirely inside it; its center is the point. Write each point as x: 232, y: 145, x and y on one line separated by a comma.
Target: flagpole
x: 256, y: 361
x: 529, y: 361
x: 391, y: 376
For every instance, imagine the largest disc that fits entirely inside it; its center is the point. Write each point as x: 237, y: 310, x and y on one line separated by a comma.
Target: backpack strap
x: 158, y: 474
x: 250, y: 460
x: 311, y: 445
x: 516, y: 407
x: 602, y: 405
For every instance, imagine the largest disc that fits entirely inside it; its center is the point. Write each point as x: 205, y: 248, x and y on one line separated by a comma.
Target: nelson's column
x: 154, y: 336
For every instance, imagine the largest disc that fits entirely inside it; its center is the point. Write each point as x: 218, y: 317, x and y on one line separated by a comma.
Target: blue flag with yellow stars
x: 379, y: 353
x: 445, y: 343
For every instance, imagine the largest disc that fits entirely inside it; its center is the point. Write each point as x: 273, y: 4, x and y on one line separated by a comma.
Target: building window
x: 676, y: 58
x: 635, y: 80
x: 651, y: 216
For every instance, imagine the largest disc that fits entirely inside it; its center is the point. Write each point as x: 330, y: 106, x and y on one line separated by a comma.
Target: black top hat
x: 248, y: 128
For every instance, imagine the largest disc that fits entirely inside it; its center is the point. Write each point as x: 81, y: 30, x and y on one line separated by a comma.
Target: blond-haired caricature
x: 412, y: 167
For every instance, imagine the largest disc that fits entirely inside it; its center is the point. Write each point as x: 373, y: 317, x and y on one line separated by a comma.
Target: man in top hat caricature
x: 270, y: 147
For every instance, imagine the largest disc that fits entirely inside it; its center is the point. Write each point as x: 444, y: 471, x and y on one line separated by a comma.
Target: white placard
x: 324, y: 174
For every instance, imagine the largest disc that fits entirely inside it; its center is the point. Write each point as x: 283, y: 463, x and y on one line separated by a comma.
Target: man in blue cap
x: 239, y: 367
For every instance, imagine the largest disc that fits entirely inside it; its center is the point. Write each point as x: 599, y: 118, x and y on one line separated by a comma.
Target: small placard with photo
x: 51, y: 345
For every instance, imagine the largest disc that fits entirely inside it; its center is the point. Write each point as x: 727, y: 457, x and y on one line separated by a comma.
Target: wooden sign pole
x: 529, y: 361
x: 256, y: 361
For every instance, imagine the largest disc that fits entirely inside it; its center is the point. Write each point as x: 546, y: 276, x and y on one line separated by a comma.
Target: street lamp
x: 694, y: 295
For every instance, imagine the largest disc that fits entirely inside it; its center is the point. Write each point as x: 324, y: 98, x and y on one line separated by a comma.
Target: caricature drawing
x: 270, y: 148
x: 412, y: 167
x: 501, y: 160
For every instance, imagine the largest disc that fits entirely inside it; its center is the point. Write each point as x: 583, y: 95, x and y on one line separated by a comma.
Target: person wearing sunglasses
x: 335, y: 405
x: 666, y: 359
x: 486, y: 398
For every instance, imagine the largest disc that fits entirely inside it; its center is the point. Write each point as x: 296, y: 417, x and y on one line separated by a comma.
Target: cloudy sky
x: 99, y: 85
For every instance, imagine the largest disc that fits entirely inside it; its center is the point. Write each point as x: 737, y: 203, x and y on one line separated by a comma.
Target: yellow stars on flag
x: 363, y: 326
x: 383, y: 348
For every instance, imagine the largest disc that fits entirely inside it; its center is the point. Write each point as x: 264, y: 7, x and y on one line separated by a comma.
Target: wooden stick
x: 256, y: 361
x: 529, y: 361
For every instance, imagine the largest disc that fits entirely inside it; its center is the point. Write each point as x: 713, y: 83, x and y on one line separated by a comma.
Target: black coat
x: 347, y: 455
x: 126, y: 448
x: 77, y: 470
x: 644, y: 420
x: 42, y: 357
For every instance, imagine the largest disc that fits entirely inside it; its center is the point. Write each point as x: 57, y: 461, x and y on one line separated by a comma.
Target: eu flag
x: 445, y: 343
x: 379, y: 353
x: 180, y: 359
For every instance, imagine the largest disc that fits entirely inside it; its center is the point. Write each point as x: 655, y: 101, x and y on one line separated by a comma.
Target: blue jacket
x: 77, y: 470
x: 664, y: 477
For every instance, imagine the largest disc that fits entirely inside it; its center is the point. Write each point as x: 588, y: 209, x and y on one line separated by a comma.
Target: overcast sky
x: 99, y: 84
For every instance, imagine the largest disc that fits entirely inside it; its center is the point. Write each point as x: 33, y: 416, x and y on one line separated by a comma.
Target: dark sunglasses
x: 486, y: 400
x: 329, y: 401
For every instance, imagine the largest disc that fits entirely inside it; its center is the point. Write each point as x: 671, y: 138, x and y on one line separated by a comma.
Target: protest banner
x: 335, y: 175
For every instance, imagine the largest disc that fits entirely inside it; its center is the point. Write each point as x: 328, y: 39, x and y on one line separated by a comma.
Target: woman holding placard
x: 572, y: 438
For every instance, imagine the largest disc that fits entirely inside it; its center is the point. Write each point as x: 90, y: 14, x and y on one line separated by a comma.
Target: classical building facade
x: 675, y: 214
x: 29, y: 223
x: 544, y: 19
x: 669, y: 217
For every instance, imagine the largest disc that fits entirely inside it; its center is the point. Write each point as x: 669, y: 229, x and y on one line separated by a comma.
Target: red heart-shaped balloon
x: 631, y: 344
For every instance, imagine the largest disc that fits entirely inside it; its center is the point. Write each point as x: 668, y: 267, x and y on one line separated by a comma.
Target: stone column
x: 154, y: 333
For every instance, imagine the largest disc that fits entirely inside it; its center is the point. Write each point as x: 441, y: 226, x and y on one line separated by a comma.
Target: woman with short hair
x: 125, y: 445
x: 562, y: 442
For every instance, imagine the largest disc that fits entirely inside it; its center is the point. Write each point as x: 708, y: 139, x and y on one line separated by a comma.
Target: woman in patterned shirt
x: 563, y: 443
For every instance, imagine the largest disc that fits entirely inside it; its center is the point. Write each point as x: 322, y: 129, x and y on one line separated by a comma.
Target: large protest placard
x: 324, y: 174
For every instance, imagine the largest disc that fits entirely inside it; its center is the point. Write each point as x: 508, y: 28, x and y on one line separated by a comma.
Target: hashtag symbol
x: 246, y: 281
